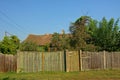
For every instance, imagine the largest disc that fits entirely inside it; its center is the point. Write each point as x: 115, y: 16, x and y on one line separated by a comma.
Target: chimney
x: 63, y: 32
x: 47, y: 34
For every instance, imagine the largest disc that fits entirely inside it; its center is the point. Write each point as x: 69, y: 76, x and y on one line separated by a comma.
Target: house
x: 39, y: 40
x: 43, y: 40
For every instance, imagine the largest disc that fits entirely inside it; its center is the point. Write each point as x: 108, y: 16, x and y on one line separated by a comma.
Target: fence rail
x: 59, y: 61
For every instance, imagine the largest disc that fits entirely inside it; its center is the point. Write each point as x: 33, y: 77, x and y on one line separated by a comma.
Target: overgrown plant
x: 28, y: 46
x: 9, y: 45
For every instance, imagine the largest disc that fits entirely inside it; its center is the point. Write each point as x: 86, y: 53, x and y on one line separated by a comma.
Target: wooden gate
x: 72, y: 61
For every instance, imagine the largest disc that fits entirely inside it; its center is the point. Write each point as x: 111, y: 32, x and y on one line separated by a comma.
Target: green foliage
x: 105, y: 34
x: 55, y: 41
x: 60, y: 41
x: 9, y: 45
x: 65, y: 41
x: 92, y: 35
x: 78, y: 32
x: 43, y: 48
x: 85, y: 33
x: 28, y: 46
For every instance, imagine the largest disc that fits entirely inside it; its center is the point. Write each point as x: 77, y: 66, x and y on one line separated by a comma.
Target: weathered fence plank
x: 72, y: 61
x: 8, y: 63
x: 39, y: 61
x: 59, y: 61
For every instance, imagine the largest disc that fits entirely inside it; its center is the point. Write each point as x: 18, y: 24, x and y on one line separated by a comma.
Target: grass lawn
x: 85, y: 75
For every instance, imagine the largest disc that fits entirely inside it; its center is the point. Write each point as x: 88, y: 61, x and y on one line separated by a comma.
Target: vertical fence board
x: 59, y: 61
x: 36, y: 61
x: 7, y: 63
x: 72, y: 61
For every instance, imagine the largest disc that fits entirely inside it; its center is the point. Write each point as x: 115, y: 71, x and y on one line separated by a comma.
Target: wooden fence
x: 81, y: 61
x: 59, y: 61
x: 72, y: 61
x: 38, y: 61
x: 8, y: 63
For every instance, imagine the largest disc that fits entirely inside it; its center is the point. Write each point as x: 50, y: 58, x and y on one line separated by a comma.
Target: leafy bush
x: 9, y: 45
x: 28, y: 46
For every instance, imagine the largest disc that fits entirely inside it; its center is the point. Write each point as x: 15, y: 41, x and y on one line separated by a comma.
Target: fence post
x: 60, y: 63
x: 65, y: 63
x: 42, y: 61
x: 104, y: 58
x: 80, y: 65
x: 112, y: 60
x: 18, y: 61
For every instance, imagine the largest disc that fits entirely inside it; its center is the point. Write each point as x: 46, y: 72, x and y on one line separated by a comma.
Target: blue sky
x: 24, y: 17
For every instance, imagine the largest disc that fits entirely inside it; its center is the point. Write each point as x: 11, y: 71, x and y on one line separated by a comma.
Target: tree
x: 55, y: 41
x: 92, y: 30
x: 16, y: 41
x: 118, y: 42
x: 105, y: 34
x: 78, y: 32
x: 9, y: 45
x: 28, y: 46
x: 92, y: 27
x: 60, y: 41
x: 64, y: 40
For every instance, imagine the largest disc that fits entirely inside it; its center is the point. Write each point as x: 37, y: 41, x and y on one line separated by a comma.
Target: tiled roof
x: 39, y: 39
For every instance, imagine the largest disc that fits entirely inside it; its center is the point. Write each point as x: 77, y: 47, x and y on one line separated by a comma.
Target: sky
x: 24, y: 17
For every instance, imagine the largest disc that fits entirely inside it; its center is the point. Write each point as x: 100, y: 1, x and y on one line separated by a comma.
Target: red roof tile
x: 39, y: 39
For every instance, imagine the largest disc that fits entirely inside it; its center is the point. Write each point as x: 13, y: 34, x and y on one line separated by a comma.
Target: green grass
x: 85, y: 75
